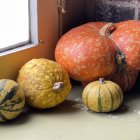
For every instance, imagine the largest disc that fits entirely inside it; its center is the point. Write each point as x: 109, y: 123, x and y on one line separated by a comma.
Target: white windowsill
x: 23, y: 47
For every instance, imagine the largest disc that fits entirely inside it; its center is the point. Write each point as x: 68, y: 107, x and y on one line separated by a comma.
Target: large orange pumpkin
x: 127, y: 38
x: 86, y: 52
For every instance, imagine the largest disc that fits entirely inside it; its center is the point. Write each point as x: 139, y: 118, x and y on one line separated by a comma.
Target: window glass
x: 14, y: 23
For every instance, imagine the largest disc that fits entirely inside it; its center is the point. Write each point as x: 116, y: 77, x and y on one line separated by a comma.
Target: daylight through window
x: 14, y: 23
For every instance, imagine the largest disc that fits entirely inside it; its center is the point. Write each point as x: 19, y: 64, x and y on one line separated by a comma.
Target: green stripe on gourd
x: 120, y: 93
x: 2, y: 118
x: 10, y: 94
x: 11, y: 105
x: 87, y: 96
x: 99, y: 101
x: 12, y: 99
x: 10, y: 110
x: 112, y: 100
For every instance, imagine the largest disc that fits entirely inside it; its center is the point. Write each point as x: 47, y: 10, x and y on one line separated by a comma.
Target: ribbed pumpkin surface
x: 127, y: 38
x: 85, y: 53
x: 44, y: 82
x: 12, y: 100
x: 102, y: 97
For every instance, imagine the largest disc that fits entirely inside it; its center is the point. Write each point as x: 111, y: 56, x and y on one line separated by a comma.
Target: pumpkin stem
x: 58, y: 86
x: 101, y: 80
x: 107, y: 29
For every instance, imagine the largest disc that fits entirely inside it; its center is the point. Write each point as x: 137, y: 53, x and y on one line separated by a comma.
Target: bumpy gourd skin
x: 38, y: 77
x: 102, y: 97
x: 12, y: 100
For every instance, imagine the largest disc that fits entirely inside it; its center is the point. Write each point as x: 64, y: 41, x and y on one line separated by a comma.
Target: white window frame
x: 33, y: 20
x: 33, y: 32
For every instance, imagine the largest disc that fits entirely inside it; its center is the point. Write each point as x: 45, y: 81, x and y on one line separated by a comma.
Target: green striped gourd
x: 102, y: 96
x: 12, y: 100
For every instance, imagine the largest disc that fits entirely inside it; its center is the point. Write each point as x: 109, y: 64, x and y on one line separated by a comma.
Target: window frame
x: 33, y: 32
x: 43, y: 47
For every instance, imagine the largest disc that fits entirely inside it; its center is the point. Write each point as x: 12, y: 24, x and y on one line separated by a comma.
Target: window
x: 43, y: 26
x: 15, y: 30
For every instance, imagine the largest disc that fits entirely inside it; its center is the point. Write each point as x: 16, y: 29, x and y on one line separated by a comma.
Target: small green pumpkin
x: 102, y: 96
x: 12, y: 100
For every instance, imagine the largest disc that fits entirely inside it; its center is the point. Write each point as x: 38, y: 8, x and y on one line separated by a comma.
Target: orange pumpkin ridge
x: 86, y: 54
x: 127, y: 36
